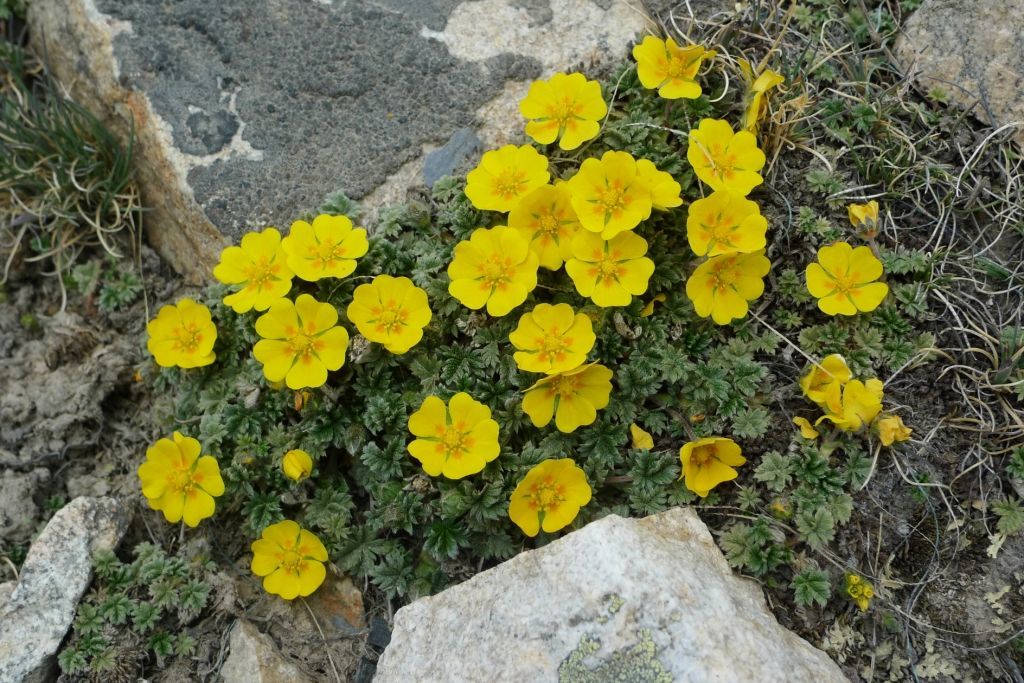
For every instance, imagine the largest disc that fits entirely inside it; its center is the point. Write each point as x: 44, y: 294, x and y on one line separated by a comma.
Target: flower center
x: 261, y: 273
x: 548, y: 225
x: 188, y: 337
x: 291, y: 561
x: 719, y: 228
x: 509, y: 184
x: 455, y: 442
x: 552, y: 347
x: 546, y: 495
x: 847, y: 284
x: 390, y: 317
x: 180, y: 479
x: 722, y: 162
x: 327, y: 254
x: 563, y: 111
x: 304, y: 346
x: 497, y: 270
x: 723, y: 276
x: 702, y: 455
x: 612, y: 199
x: 563, y: 386
x: 681, y: 66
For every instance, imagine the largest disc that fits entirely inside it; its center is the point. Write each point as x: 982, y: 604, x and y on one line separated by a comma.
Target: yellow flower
x: 182, y: 335
x: 327, y: 248
x: 300, y: 342
x: 258, y: 270
x: 806, y: 430
x: 572, y: 397
x: 453, y: 440
x: 566, y: 107
x: 609, y: 195
x: 552, y: 339
x: 179, y: 482
x: 290, y: 559
x: 843, y: 280
x: 757, y: 90
x: 864, y: 217
x: 549, y: 497
x: 391, y: 311
x: 721, y: 286
x: 610, y: 272
x: 504, y: 176
x: 642, y: 440
x: 297, y: 465
x: 860, y: 591
x: 708, y: 462
x: 723, y: 223
x: 648, y: 309
x: 823, y: 384
x: 891, y: 429
x: 662, y: 64
x: 545, y: 218
x: 723, y: 159
x: 861, y: 402
x: 665, y: 191
x: 494, y: 267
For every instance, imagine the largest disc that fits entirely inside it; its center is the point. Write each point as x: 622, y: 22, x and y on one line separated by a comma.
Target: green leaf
x: 811, y: 586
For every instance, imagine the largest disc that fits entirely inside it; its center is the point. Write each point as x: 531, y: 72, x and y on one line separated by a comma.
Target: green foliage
x: 151, y: 599
x: 811, y: 586
x: 13, y: 8
x: 1010, y: 515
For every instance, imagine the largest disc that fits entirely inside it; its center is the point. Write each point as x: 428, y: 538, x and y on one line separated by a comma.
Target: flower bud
x: 297, y: 465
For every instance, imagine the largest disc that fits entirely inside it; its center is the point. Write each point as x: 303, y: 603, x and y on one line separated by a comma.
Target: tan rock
x: 253, y: 658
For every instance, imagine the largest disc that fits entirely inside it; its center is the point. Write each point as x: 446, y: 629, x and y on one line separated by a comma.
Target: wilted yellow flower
x: 665, y: 191
x: 757, y: 92
x: 723, y: 223
x: 806, y: 429
x: 861, y: 402
x: 566, y: 107
x: 610, y: 272
x: 860, y: 591
x: 844, y: 280
x: 297, y: 464
x: 300, y: 342
x: 648, y: 309
x: 672, y: 70
x: 824, y: 382
x: 552, y: 339
x: 545, y: 218
x: 290, y: 559
x: 327, y: 248
x: 506, y: 175
x: 891, y: 429
x: 453, y: 440
x: 182, y: 335
x: 723, y: 159
x: 708, y: 462
x: 721, y: 286
x: 549, y: 497
x: 391, y: 311
x: 609, y: 195
x: 572, y: 398
x: 641, y: 440
x: 179, y: 482
x: 257, y: 269
x: 495, y: 268
x: 864, y: 217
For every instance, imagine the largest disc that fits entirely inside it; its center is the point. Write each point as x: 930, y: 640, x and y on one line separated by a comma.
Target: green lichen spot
x: 615, y: 603
x: 634, y: 664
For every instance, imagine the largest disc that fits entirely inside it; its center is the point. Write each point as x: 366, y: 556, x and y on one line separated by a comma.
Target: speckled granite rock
x: 619, y: 600
x: 253, y: 658
x: 974, y: 52
x: 247, y: 113
x: 38, y: 612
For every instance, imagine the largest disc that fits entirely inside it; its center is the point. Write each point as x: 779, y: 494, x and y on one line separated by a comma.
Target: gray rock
x: 462, y: 145
x: 247, y: 114
x: 6, y: 589
x: 253, y: 658
x: 55, y: 574
x: 619, y: 600
x: 18, y: 511
x: 975, y: 56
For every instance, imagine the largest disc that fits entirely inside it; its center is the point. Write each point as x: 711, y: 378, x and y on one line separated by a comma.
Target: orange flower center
x: 847, y: 284
x: 548, y: 225
x: 327, y: 254
x: 187, y: 338
x: 305, y: 346
x: 723, y: 275
x: 455, y: 442
x: 702, y: 455
x: 552, y: 347
x: 546, y: 495
x: 510, y: 184
x: 721, y: 160
x: 181, y: 479
x: 612, y: 199
x: 563, y: 111
x: 563, y: 386
x: 497, y: 271
x: 261, y: 273
x: 719, y: 227
x: 682, y: 66
x: 390, y: 317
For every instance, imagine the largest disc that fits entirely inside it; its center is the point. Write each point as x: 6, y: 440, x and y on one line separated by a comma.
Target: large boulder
x: 619, y: 600
x: 973, y: 52
x: 36, y: 616
x: 248, y: 113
